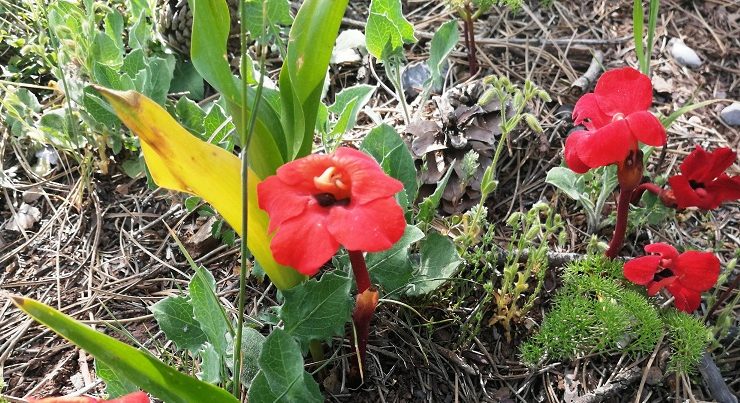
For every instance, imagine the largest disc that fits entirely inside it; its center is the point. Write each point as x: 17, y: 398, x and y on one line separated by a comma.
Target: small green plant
x: 595, y: 314
x: 688, y: 338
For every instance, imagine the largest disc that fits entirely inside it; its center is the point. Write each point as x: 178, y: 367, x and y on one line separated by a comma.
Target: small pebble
x: 683, y: 54
x: 731, y: 114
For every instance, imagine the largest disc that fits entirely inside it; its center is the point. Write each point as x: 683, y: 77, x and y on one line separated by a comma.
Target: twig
x: 715, y: 383
x: 617, y: 385
x: 584, y: 81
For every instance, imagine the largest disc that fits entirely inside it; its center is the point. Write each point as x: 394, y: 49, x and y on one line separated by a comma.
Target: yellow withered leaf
x: 180, y: 161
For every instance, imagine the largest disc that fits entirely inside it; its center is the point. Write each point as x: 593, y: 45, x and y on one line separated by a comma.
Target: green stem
x: 246, y: 137
x: 393, y: 71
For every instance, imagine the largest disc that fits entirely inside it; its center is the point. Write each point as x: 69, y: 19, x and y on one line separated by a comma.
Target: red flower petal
x: 646, y: 128
x: 642, y: 269
x: 571, y: 153
x: 686, y: 196
x: 370, y: 227
x: 303, y: 242
x: 697, y: 270
x: 300, y: 173
x: 136, y: 397
x: 609, y: 145
x: 684, y: 299
x: 656, y: 286
x: 587, y: 107
x: 369, y: 182
x: 663, y: 249
x: 724, y: 188
x: 624, y: 90
x: 703, y: 167
x: 280, y: 201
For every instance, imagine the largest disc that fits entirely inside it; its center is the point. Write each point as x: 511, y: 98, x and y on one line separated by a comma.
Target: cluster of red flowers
x: 617, y: 119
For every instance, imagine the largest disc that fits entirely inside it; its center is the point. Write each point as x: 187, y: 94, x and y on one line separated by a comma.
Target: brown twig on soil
x: 620, y: 382
x: 715, y: 383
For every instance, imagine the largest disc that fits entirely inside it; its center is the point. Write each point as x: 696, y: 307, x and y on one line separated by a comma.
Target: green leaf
x: 317, y: 310
x: 105, y: 51
x: 138, y: 367
x: 387, y: 30
x: 278, y: 13
x: 443, y: 42
x: 207, y: 309
x: 99, y: 109
x: 140, y: 33
x: 174, y: 315
x: 429, y: 205
x: 668, y: 120
x: 567, y: 181
x: 347, y: 105
x: 386, y: 146
x: 392, y: 268
x: 186, y: 79
x: 282, y: 377
x: 252, y: 343
x: 439, y: 260
x: 217, y: 127
x: 191, y: 116
x: 310, y: 44
x: 210, y: 364
x: 208, y: 46
x: 115, y: 384
x: 160, y: 72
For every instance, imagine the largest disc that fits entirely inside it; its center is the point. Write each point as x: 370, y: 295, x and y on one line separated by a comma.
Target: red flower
x: 703, y: 182
x: 685, y: 276
x: 136, y: 397
x: 320, y: 202
x: 616, y: 116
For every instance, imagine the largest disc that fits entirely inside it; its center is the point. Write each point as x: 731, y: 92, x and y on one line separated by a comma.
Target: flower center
x: 663, y: 274
x: 333, y: 186
x: 617, y: 116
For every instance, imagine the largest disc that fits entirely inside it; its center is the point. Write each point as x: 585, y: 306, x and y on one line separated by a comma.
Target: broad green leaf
x: 317, y: 310
x: 110, y: 77
x: 443, y: 42
x: 387, y: 30
x: 211, y: 364
x: 310, y: 44
x: 392, y: 269
x: 252, y: 343
x: 115, y: 384
x: 567, y: 181
x: 133, y: 63
x: 180, y: 161
x: 138, y: 367
x: 208, y: 46
x: 105, y: 51
x: 174, y: 315
x: 347, y: 106
x: 268, y: 148
x: 208, y: 310
x: 191, y: 116
x: 99, y: 110
x: 160, y: 72
x: 186, y: 79
x: 439, y: 260
x: 429, y: 205
x: 278, y: 13
x: 217, y: 127
x: 140, y: 33
x: 386, y: 146
x: 282, y: 377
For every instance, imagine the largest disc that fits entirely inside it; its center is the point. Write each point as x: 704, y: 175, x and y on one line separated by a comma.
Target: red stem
x: 359, y: 268
x: 470, y: 41
x: 365, y: 306
x: 639, y: 190
x: 623, y: 208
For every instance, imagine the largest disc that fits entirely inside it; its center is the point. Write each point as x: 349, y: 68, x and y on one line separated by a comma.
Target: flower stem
x: 246, y: 130
x: 468, y: 27
x: 365, y: 306
x: 623, y: 208
x: 640, y: 190
x: 359, y: 268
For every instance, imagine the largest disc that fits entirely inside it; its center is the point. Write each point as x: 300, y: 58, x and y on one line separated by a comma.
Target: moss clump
x: 594, y: 313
